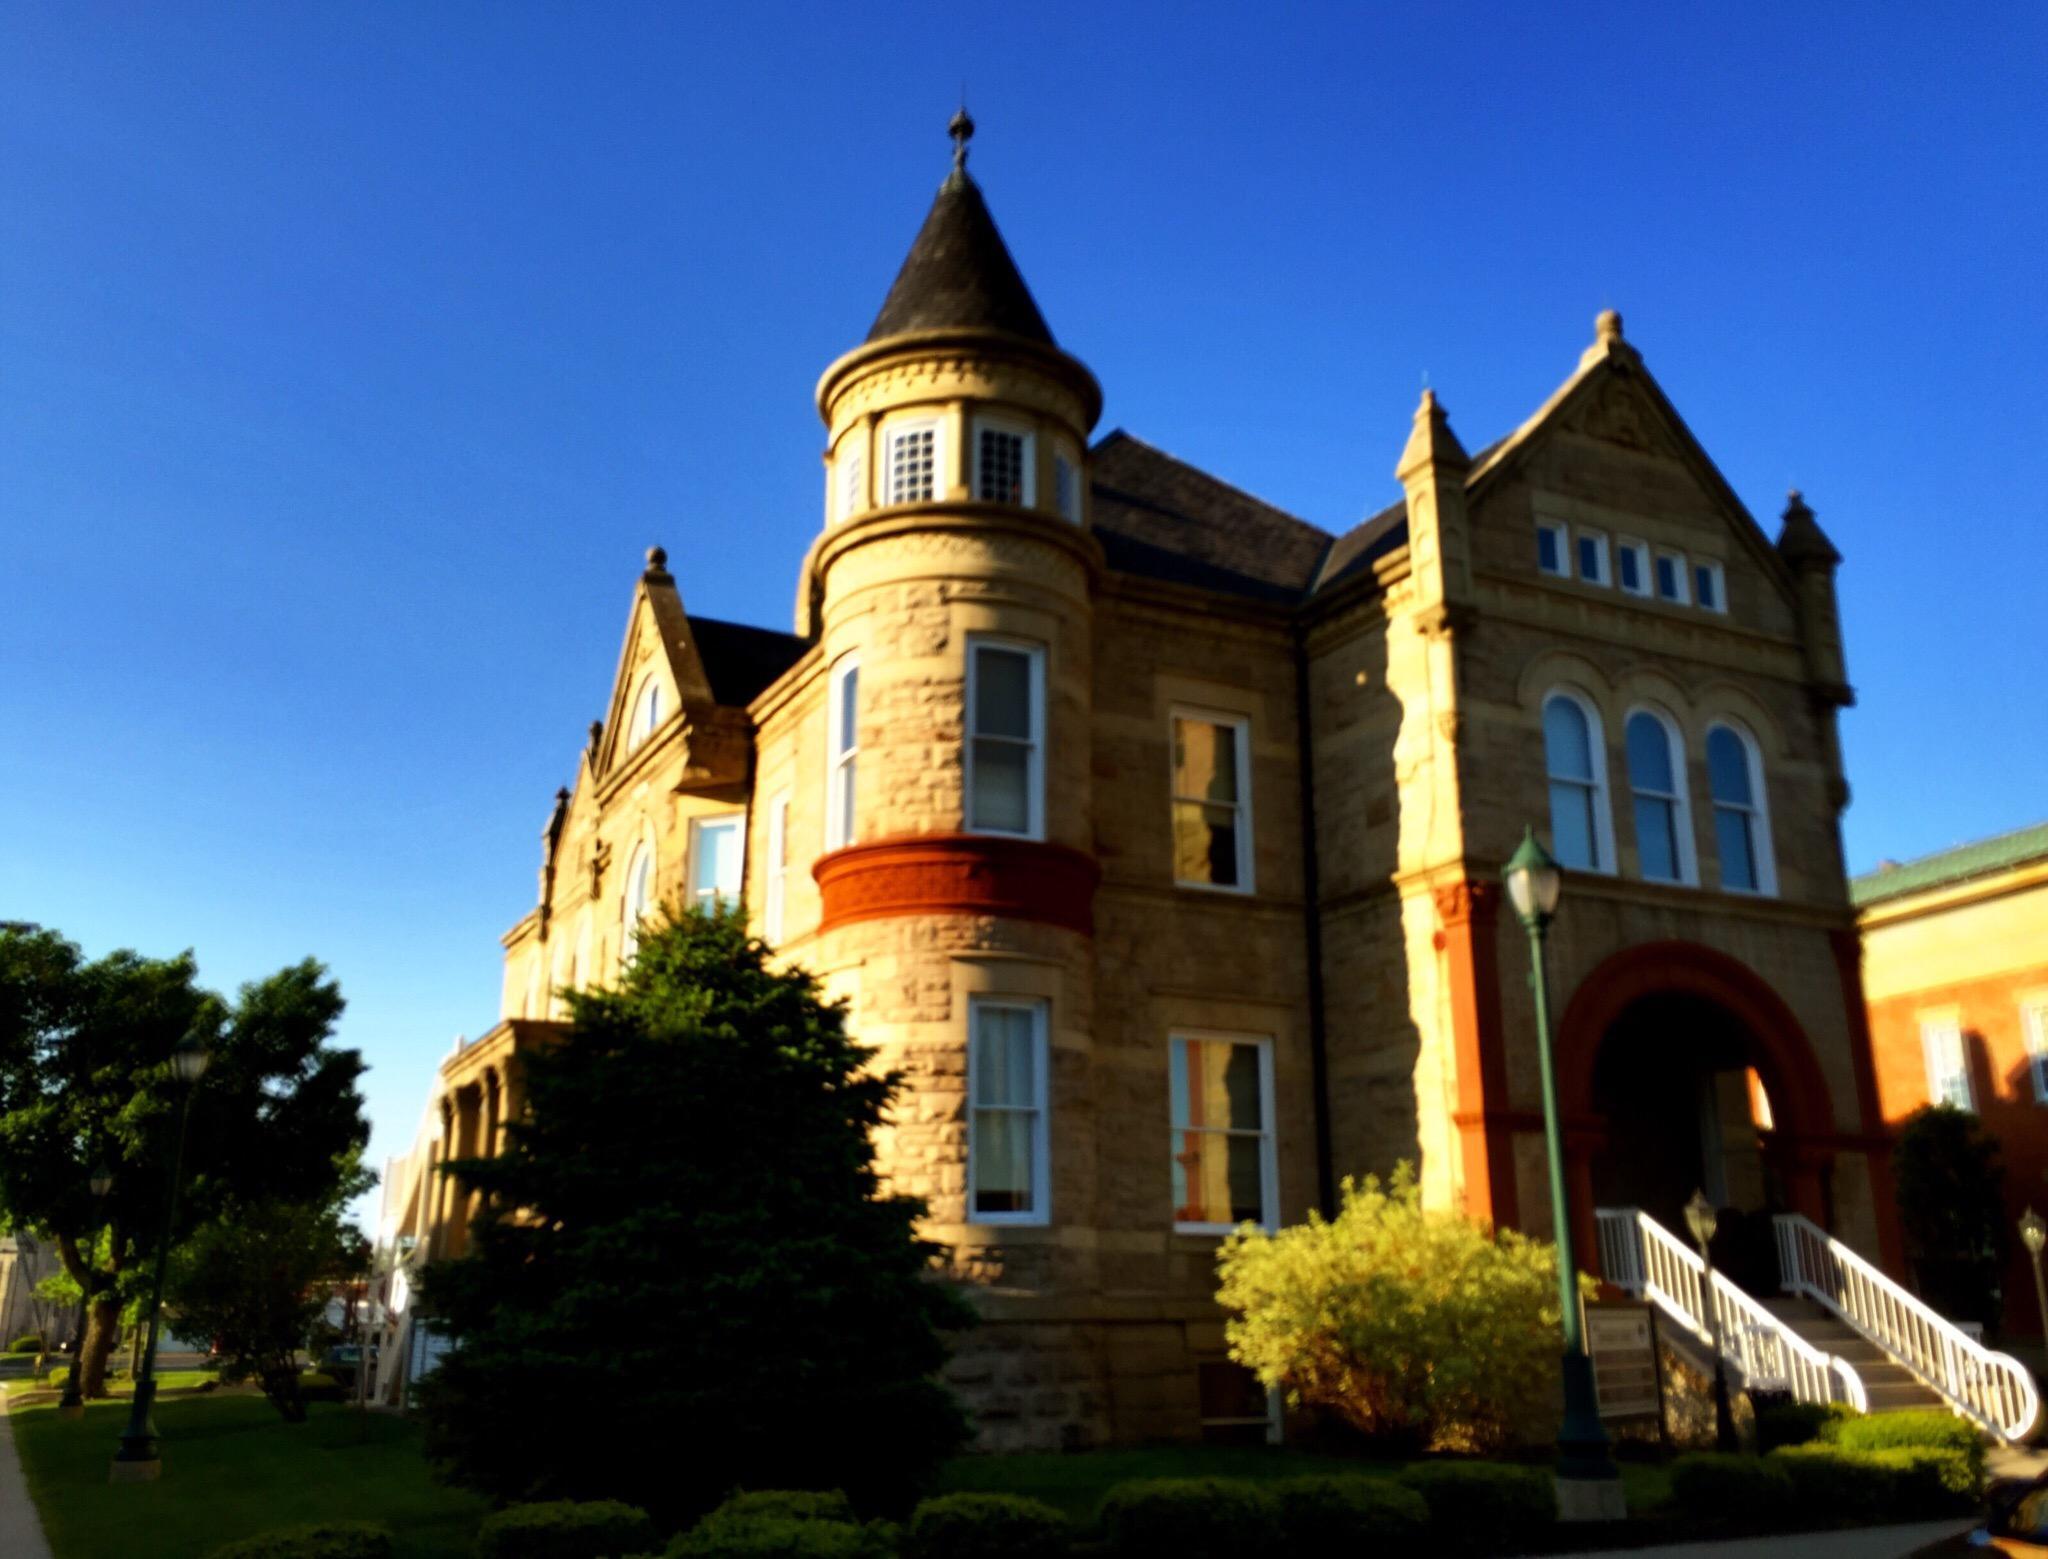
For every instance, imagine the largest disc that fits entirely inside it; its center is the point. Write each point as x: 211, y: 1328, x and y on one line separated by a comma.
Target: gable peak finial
x: 961, y: 128
x: 657, y: 561
x: 1607, y: 325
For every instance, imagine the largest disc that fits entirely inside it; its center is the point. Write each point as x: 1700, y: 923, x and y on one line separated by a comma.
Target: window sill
x: 1226, y: 889
x: 1217, y: 1231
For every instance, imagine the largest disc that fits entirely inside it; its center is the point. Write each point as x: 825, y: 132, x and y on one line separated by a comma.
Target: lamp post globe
x: 1588, y: 1483
x: 2034, y: 1235
x: 1701, y: 1218
x: 189, y: 1061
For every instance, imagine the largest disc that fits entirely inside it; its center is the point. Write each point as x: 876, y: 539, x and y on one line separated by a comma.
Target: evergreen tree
x: 686, y: 1279
x: 1950, y: 1185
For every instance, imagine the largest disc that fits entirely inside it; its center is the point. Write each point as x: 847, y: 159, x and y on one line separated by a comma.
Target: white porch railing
x: 1993, y: 1390
x: 1639, y: 1254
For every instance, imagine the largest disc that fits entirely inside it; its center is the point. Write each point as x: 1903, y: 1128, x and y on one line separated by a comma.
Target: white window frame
x: 639, y: 892
x: 647, y: 712
x: 1681, y: 801
x: 1563, y: 533
x: 1603, y: 795
x: 1940, y: 1033
x: 1245, y: 853
x: 1028, y: 437
x: 1719, y: 576
x: 894, y: 431
x: 775, y: 892
x: 2034, y: 1033
x: 1034, y: 768
x: 1760, y: 813
x: 1066, y: 486
x: 853, y: 476
x: 1603, y: 575
x: 699, y: 826
x: 1040, y: 1108
x: 1646, y: 579
x: 1682, y: 574
x: 842, y: 809
x: 1269, y: 1156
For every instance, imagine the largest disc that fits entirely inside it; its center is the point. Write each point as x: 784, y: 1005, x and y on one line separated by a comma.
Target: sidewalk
x: 21, y: 1533
x: 1864, y: 1543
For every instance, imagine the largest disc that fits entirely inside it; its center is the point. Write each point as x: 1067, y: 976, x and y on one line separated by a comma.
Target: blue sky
x: 350, y: 356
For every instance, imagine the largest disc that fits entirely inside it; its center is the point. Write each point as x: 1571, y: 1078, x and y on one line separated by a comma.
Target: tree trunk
x: 103, y: 1323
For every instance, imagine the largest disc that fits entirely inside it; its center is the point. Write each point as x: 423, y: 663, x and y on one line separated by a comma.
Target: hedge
x: 27, y: 1342
x: 1711, y: 1489
x: 1800, y: 1423
x: 1934, y: 1480
x: 792, y: 1504
x: 327, y: 1540
x: 1829, y: 1482
x: 1340, y: 1514
x: 565, y: 1529
x: 986, y: 1526
x: 1484, y: 1507
x: 1190, y: 1518
x: 315, y: 1386
x: 1920, y: 1429
x: 723, y: 1536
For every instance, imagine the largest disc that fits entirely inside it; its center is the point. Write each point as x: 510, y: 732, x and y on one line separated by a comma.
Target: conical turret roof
x: 959, y: 274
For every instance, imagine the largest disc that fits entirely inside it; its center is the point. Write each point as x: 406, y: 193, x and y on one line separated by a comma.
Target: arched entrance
x: 1679, y: 1069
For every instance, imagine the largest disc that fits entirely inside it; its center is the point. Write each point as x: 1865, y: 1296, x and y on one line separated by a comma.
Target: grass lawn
x: 1076, y: 1481
x: 233, y: 1468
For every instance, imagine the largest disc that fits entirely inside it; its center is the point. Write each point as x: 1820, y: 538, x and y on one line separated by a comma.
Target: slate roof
x: 1980, y: 859
x: 1160, y: 518
x: 959, y: 274
x: 741, y: 660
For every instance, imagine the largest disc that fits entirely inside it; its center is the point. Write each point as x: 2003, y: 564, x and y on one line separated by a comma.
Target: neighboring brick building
x: 1153, y: 834
x: 1955, y: 953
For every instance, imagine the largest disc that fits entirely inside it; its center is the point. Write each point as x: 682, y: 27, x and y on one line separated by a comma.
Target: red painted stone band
x: 959, y: 874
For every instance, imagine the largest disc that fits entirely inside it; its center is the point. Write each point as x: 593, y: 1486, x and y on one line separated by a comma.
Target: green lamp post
x: 140, y: 1459
x: 1588, y: 1483
x: 1701, y: 1218
x: 72, y: 1403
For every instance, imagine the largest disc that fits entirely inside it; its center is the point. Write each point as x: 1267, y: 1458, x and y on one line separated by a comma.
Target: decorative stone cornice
x: 958, y: 874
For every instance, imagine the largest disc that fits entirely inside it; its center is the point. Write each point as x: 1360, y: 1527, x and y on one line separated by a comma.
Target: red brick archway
x: 1801, y: 1108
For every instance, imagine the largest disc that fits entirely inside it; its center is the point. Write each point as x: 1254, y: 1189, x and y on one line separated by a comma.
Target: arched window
x: 647, y: 712
x: 1581, y: 834
x: 639, y: 899
x: 1656, y: 783
x: 1742, y: 823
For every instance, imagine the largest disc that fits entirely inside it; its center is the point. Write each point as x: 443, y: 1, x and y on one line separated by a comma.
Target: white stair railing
x: 1639, y: 1254
x: 1993, y: 1390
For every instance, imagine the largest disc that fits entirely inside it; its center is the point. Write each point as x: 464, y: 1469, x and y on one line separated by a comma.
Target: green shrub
x: 1713, y: 1490
x: 314, y: 1386
x: 1829, y: 1482
x: 27, y: 1342
x: 1929, y: 1429
x: 1418, y: 1328
x: 565, y: 1529
x: 1800, y: 1423
x: 792, y: 1504
x: 722, y: 1535
x: 1331, y: 1515
x: 1932, y: 1480
x: 328, y: 1540
x: 1484, y: 1507
x: 986, y: 1526
x: 1190, y: 1518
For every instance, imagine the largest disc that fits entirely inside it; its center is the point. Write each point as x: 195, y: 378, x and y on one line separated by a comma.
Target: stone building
x: 1956, y: 968
x: 1153, y: 833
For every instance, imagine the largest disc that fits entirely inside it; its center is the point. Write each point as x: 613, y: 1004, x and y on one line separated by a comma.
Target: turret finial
x: 961, y: 128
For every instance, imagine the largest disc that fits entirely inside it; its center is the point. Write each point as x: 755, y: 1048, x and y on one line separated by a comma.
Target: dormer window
x: 1002, y: 464
x: 1066, y: 489
x: 913, y: 462
x: 647, y: 713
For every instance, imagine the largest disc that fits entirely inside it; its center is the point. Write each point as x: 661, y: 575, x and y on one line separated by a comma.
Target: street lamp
x: 72, y: 1403
x: 140, y: 1459
x: 1701, y: 1218
x: 1588, y: 1483
x: 2034, y: 1234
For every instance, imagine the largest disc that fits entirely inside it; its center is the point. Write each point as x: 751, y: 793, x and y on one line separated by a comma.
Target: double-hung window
x: 1742, y: 833
x: 1002, y: 464
x: 2034, y: 1027
x: 913, y: 462
x: 1948, y: 1062
x: 1551, y: 557
x: 715, y: 855
x: 843, y: 745
x: 777, y: 893
x: 1579, y: 828
x: 1221, y: 1090
x: 1005, y: 738
x: 1656, y: 782
x: 1006, y: 1133
x: 1212, y: 823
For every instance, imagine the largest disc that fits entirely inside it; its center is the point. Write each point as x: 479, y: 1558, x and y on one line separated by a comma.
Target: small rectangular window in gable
x: 1671, y: 577
x: 913, y: 463
x: 1708, y: 587
x: 1632, y: 560
x: 1550, y: 548
x: 1593, y: 557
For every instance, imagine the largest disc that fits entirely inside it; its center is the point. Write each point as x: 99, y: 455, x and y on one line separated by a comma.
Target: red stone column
x: 1468, y: 938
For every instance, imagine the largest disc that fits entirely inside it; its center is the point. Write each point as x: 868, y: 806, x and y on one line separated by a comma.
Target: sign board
x: 1621, y: 1337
